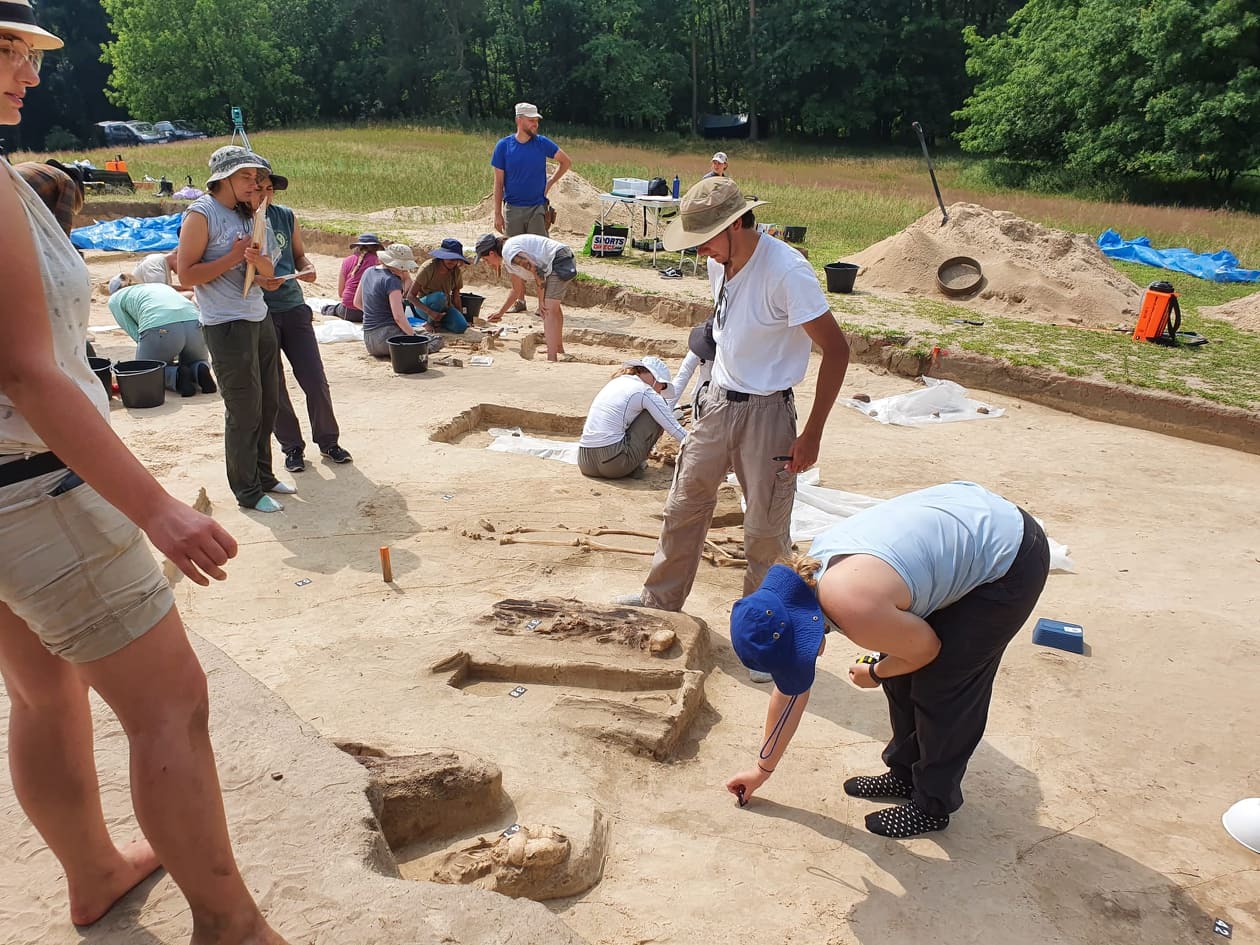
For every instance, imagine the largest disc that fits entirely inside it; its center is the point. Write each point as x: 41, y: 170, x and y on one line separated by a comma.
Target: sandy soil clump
x: 1244, y: 312
x: 1030, y: 271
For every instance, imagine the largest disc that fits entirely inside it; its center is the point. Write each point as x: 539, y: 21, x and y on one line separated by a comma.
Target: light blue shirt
x: 944, y: 541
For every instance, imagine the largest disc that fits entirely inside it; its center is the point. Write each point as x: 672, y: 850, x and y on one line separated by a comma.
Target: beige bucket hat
x: 706, y: 210
x: 397, y: 256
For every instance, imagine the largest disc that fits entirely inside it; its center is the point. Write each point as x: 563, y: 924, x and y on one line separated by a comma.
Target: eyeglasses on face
x: 16, y: 51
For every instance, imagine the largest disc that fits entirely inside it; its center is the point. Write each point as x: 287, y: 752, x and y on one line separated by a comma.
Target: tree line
x: 1125, y: 87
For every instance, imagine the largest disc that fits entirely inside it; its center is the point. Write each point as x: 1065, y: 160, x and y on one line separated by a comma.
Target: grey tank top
x: 220, y: 300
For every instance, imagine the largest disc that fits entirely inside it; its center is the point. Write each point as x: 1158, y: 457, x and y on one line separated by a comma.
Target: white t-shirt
x: 540, y: 250
x: 153, y: 268
x: 618, y: 405
x: 761, y: 344
x: 703, y: 370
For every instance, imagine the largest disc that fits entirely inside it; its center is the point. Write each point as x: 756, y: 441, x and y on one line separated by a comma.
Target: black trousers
x: 939, y: 712
x: 246, y: 358
x: 295, y: 334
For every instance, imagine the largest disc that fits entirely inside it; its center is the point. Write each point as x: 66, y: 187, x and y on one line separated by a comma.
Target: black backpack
x: 658, y: 187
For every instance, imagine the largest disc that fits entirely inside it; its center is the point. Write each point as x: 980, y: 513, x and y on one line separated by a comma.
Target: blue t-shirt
x: 377, y: 284
x: 944, y: 541
x: 524, y: 168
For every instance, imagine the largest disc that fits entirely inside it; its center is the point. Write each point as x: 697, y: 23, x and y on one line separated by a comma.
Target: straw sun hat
x: 16, y: 16
x: 705, y: 211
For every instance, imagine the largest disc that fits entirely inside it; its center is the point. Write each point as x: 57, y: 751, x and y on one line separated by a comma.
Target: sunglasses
x: 16, y: 51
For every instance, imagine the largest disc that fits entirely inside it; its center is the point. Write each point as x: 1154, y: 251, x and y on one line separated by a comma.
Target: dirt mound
x: 576, y: 201
x: 1243, y: 313
x: 1030, y: 271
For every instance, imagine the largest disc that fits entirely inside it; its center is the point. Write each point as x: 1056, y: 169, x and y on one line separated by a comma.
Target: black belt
x: 739, y: 397
x: 23, y: 469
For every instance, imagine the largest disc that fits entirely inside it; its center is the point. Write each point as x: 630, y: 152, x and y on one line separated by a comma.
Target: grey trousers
x: 745, y: 434
x: 619, y: 460
x: 295, y: 334
x: 518, y: 220
x: 246, y: 359
x: 179, y: 343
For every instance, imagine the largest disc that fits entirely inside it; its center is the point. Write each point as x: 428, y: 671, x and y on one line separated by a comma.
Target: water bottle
x: 676, y: 186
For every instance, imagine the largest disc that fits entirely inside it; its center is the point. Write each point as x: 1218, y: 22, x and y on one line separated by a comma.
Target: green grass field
x: 847, y: 200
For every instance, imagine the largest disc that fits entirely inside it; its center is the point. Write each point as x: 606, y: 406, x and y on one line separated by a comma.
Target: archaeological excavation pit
x: 472, y: 427
x: 446, y: 819
x: 624, y: 676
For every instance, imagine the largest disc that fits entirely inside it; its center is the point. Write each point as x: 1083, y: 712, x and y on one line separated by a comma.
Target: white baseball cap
x: 720, y: 157
x: 658, y: 368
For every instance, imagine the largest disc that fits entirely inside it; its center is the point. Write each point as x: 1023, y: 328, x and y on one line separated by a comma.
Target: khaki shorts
x: 75, y: 569
x: 564, y: 269
x: 518, y: 220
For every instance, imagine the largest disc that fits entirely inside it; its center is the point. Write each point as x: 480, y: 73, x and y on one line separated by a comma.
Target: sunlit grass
x: 847, y: 200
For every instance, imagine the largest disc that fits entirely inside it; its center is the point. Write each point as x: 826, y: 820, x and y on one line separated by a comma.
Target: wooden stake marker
x: 387, y: 570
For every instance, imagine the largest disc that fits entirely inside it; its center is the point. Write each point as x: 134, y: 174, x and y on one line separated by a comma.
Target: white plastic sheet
x: 334, y: 330
x: 937, y: 401
x: 514, y: 441
x: 816, y: 509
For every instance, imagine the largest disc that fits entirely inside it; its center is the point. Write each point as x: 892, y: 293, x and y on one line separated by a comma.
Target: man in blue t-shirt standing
x: 521, y: 184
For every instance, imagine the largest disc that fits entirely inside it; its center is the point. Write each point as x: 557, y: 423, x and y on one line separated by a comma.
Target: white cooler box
x: 629, y: 187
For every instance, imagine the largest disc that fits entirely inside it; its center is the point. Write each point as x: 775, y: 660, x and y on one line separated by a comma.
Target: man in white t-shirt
x: 768, y: 311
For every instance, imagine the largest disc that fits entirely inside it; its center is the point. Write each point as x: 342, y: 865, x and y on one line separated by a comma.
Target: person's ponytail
x: 805, y: 567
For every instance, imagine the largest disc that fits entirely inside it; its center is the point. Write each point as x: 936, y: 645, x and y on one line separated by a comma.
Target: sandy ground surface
x: 1093, y: 805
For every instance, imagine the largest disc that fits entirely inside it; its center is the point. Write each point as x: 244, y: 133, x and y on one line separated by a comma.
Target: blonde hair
x: 627, y: 372
x: 806, y: 568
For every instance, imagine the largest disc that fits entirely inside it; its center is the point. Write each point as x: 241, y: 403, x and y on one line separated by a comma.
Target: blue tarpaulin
x: 130, y: 234
x: 1215, y: 267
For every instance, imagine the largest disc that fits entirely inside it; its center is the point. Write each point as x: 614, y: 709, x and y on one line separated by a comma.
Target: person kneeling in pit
x: 164, y: 325
x: 435, y: 292
x: 939, y: 581
x: 625, y: 421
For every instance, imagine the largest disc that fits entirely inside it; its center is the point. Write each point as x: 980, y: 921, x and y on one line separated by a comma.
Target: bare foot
x: 258, y: 932
x: 90, y: 901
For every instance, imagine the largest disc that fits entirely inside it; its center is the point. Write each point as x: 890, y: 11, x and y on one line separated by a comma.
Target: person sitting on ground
x: 380, y: 299
x: 719, y: 164
x: 365, y: 247
x: 625, y: 421
x: 701, y: 352
x: 940, y: 581
x: 551, y: 266
x: 435, y: 291
x: 164, y: 325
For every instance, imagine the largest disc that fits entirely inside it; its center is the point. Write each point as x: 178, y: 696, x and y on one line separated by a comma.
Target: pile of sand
x: 1244, y: 312
x: 576, y: 201
x: 1030, y: 271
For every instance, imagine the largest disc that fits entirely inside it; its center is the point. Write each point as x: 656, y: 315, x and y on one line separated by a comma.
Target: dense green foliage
x: 1120, y: 87
x: 1063, y: 92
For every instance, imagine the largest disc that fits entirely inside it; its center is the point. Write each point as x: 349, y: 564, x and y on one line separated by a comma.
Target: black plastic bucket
x: 141, y: 383
x: 840, y: 276
x: 409, y: 354
x: 472, y: 304
x: 102, y: 368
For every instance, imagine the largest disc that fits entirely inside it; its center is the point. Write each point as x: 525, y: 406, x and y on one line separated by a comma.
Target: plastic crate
x: 630, y: 186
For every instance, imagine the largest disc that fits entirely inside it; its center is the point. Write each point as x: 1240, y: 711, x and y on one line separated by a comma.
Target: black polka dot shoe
x: 885, y: 785
x: 904, y: 821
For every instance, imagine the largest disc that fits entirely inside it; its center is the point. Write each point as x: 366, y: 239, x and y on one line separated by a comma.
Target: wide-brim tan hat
x: 705, y: 211
x: 397, y: 256
x: 16, y: 16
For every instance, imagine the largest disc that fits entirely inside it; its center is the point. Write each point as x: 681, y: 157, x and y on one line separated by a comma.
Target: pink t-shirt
x: 348, y: 265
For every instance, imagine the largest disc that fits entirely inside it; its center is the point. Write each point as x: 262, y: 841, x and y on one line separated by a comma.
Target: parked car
x: 127, y: 133
x: 179, y: 130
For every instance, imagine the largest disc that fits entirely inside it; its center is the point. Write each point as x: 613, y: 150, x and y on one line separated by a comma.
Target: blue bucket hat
x: 450, y: 249
x: 778, y: 628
